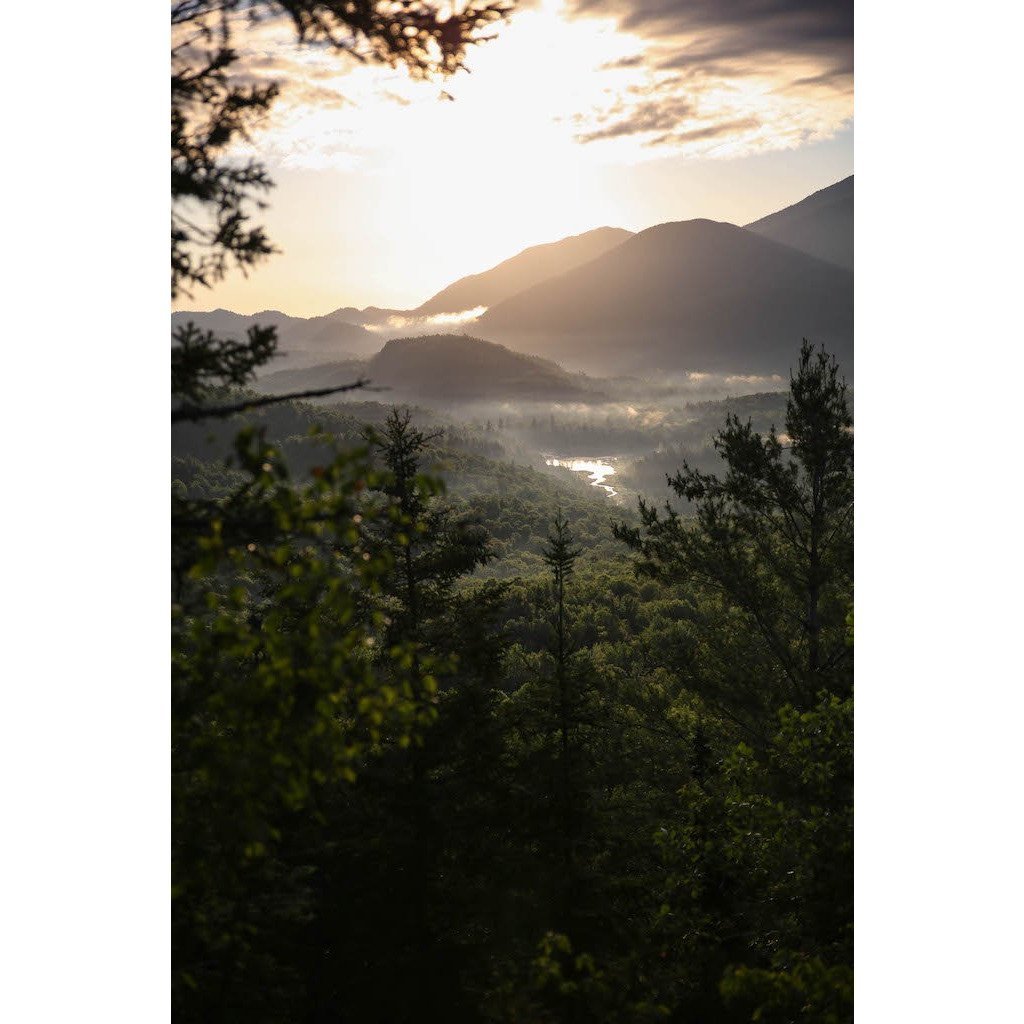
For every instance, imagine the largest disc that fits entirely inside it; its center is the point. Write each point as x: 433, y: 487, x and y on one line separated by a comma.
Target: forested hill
x: 463, y: 367
x: 447, y: 366
x: 513, y: 500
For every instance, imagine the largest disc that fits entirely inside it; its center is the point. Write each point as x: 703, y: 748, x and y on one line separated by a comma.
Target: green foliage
x: 276, y: 694
x: 592, y: 795
x: 566, y: 985
x: 772, y: 541
x: 808, y: 990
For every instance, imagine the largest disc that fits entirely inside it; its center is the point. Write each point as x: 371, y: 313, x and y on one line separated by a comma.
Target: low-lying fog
x: 620, y: 447
x: 622, y: 434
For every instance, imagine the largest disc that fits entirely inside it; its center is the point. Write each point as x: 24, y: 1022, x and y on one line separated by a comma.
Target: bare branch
x: 189, y: 412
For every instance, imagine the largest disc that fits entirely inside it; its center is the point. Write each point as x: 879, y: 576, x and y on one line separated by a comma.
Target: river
x: 598, y: 470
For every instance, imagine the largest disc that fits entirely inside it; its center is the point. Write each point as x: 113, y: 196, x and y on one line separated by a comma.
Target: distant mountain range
x: 686, y: 296
x: 689, y: 296
x: 821, y: 224
x: 300, y: 340
x: 445, y: 367
x: 523, y: 271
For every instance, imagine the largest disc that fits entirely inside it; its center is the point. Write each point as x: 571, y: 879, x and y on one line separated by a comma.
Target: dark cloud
x: 737, y: 30
x: 799, y: 54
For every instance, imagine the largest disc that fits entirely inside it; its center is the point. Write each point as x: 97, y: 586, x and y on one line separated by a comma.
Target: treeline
x: 612, y: 785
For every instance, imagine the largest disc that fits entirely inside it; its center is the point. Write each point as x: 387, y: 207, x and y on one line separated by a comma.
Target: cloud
x: 635, y: 60
x: 725, y: 77
x: 712, y: 31
x: 394, y: 97
x: 708, y: 132
x: 438, y: 320
x: 626, y: 80
x: 646, y: 116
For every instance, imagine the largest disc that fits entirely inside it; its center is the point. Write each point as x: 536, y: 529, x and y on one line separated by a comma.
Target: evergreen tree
x: 560, y: 554
x: 275, y: 700
x: 771, y: 544
x: 403, y: 894
x: 275, y: 697
x: 757, y: 914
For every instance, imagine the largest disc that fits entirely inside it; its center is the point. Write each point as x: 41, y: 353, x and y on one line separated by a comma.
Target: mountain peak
x: 522, y: 271
x: 695, y: 295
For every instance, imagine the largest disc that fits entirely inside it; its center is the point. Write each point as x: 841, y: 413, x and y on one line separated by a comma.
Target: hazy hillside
x: 688, y: 296
x: 523, y: 271
x: 821, y: 224
x: 299, y: 339
x: 306, y: 378
x: 458, y: 366
x: 369, y: 316
x: 446, y: 367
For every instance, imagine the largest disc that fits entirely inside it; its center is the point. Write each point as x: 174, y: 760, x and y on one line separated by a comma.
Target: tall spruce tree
x: 757, y: 890
x: 771, y: 543
x: 402, y: 893
x: 560, y: 554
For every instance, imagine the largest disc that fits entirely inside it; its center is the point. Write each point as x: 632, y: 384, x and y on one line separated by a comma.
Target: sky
x: 577, y: 114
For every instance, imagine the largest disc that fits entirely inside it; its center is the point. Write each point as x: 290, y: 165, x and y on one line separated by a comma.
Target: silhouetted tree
x: 560, y: 554
x: 278, y: 693
x: 772, y: 540
x: 758, y: 859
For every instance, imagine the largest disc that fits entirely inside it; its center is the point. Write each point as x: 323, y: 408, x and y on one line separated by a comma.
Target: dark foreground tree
x: 276, y: 697
x: 757, y: 915
x: 286, y: 677
x: 408, y: 851
x: 560, y: 554
x: 772, y: 546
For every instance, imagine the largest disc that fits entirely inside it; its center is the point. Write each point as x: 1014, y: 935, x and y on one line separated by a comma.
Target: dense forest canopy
x: 490, y: 751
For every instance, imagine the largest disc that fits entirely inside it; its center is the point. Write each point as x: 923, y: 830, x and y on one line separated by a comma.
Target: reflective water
x: 597, y: 469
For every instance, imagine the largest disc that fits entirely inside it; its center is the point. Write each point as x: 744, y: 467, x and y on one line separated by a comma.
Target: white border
x: 83, y: 729
x: 938, y: 564
x: 84, y: 736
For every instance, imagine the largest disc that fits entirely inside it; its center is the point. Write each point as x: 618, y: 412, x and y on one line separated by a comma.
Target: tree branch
x: 190, y: 412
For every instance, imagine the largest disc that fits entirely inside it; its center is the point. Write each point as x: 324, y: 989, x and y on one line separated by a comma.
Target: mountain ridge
x: 820, y: 224
x: 682, y: 296
x: 298, y: 337
x: 524, y: 270
x: 697, y: 295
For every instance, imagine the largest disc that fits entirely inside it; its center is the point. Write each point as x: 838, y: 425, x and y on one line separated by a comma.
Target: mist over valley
x: 615, y: 352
